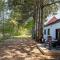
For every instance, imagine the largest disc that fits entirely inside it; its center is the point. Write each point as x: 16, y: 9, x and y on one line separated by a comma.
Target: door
x: 58, y: 34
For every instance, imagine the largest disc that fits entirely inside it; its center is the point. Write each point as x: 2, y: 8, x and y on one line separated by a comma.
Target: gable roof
x: 52, y: 20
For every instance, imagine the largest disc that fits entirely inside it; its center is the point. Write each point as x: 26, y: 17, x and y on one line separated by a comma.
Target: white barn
x: 52, y: 28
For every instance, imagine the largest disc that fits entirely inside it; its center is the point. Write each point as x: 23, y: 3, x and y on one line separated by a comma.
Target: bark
x: 40, y: 21
x: 35, y: 17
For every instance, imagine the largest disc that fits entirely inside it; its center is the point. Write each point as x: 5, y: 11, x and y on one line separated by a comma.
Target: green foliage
x: 25, y: 8
x: 21, y: 11
x: 30, y: 24
x: 1, y: 5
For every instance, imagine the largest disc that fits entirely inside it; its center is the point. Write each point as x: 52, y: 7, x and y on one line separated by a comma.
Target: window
x: 48, y: 31
x: 45, y: 32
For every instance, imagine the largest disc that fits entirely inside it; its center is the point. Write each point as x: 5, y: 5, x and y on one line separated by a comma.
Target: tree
x: 41, y: 4
x: 35, y: 8
x: 1, y: 5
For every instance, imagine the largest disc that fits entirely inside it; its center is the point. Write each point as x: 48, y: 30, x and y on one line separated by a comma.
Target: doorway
x: 58, y: 34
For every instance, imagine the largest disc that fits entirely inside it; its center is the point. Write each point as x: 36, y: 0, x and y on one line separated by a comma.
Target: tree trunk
x: 35, y: 17
x: 38, y: 17
x: 40, y: 21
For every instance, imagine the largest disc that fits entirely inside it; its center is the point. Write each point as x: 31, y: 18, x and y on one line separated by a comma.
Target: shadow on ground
x: 20, y: 49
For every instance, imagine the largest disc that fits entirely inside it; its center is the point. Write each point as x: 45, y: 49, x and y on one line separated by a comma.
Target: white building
x: 52, y: 28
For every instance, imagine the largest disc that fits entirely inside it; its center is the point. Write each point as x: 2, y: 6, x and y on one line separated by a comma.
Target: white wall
x: 52, y: 30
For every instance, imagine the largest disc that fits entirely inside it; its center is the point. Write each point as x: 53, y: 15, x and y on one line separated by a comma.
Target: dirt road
x: 20, y: 49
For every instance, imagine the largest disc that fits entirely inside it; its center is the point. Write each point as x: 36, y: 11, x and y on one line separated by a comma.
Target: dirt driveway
x: 20, y: 49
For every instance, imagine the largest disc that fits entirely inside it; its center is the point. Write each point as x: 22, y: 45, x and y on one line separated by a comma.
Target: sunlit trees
x: 38, y: 9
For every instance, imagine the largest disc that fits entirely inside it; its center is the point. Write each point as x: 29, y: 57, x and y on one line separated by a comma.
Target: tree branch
x: 51, y: 3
